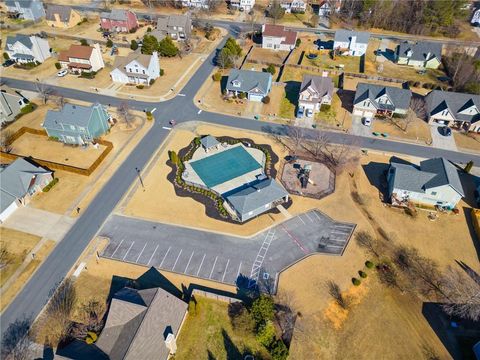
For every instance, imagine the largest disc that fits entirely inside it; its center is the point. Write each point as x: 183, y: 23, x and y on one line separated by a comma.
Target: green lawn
x: 208, y: 334
x: 324, y: 61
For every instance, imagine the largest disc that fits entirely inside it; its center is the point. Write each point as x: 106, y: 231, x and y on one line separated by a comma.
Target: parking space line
x: 309, y: 218
x: 180, y: 253
x: 238, y: 272
x: 211, y: 272
x: 300, y: 218
x: 151, y: 257
x: 225, y: 272
x: 121, y: 242
x: 164, y: 257
x: 133, y: 242
x: 186, y: 267
x: 198, y: 271
x: 144, y: 246
x: 318, y: 217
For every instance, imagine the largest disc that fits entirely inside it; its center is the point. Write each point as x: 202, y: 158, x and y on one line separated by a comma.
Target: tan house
x: 81, y: 58
x: 62, y: 16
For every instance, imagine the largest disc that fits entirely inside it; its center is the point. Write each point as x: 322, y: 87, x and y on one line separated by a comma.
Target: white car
x: 62, y: 73
x: 367, y: 121
x: 309, y: 113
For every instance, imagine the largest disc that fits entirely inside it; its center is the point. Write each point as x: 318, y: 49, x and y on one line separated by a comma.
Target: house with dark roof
x: 475, y: 21
x: 119, y: 20
x: 80, y: 58
x: 25, y: 9
x: 178, y: 27
x: 256, y: 198
x: 422, y: 54
x: 353, y: 43
x: 136, y: 68
x: 11, y: 104
x: 76, y: 124
x: 19, y: 183
x: 435, y: 182
x: 315, y: 91
x: 379, y: 100
x: 457, y: 110
x: 277, y: 37
x: 27, y: 49
x: 209, y: 143
x: 255, y: 84
x: 63, y: 17
x: 142, y: 324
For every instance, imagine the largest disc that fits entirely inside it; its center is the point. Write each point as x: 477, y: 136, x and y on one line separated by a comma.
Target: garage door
x: 256, y: 97
x: 363, y: 113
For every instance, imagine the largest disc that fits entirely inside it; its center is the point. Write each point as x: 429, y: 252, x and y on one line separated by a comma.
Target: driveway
x: 442, y: 142
x: 223, y: 258
x: 359, y: 129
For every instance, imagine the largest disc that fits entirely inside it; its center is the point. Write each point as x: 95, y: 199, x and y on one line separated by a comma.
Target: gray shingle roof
x: 321, y: 85
x: 249, y: 80
x: 138, y: 322
x: 256, y: 196
x: 62, y: 11
x: 209, y: 141
x: 70, y: 114
x: 399, y: 97
x: 24, y: 39
x: 165, y: 23
x: 345, y: 36
x: 431, y: 173
x: 122, y: 61
x: 420, y: 50
x: 24, y: 4
x: 115, y: 14
x: 437, y: 101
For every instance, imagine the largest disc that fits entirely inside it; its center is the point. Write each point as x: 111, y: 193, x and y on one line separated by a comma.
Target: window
x: 144, y: 71
x: 20, y: 102
x: 434, y: 193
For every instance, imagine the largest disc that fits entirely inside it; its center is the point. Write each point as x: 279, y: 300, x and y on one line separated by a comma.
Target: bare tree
x: 16, y: 342
x: 60, y: 101
x: 275, y: 11
x: 124, y: 113
x: 296, y: 135
x: 463, y: 294
x: 287, y: 312
x: 6, y: 140
x: 5, y: 256
x: 368, y: 242
x: 417, y: 110
x: 44, y: 91
x: 336, y: 294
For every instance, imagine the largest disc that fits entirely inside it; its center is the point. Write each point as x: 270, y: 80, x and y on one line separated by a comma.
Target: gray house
x: 353, y: 43
x: 379, y: 100
x: 315, y: 91
x: 423, y: 54
x: 142, y: 324
x: 257, y: 198
x: 27, y: 48
x: 19, y: 182
x: 178, y: 27
x: 255, y: 84
x: 25, y: 9
x: 434, y: 183
x: 78, y: 125
x: 11, y: 104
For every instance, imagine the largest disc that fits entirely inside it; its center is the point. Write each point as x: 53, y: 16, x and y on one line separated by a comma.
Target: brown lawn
x: 468, y: 141
x: 418, y: 130
x: 270, y: 56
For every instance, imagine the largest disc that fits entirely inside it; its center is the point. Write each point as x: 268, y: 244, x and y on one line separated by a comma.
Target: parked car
x: 309, y: 113
x: 300, y: 112
x: 62, y: 73
x: 8, y: 63
x: 367, y: 121
x: 445, y: 131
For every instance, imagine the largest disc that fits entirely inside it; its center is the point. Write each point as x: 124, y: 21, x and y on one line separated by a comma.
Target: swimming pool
x: 224, y: 166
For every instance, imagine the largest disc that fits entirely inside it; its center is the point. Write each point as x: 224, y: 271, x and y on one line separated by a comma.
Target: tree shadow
x: 470, y: 272
x: 232, y: 351
x: 210, y: 355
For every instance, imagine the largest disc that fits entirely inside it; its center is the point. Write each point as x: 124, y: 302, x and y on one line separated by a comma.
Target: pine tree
x: 167, y: 48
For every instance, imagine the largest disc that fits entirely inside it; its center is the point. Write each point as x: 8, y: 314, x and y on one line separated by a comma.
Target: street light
x: 140, y: 177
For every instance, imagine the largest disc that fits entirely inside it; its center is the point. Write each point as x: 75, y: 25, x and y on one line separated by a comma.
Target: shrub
x: 109, y: 43
x: 266, y: 334
x: 242, y: 95
x: 362, y: 274
x: 217, y: 76
x: 262, y: 309
x: 152, y: 81
x: 173, y: 157
x: 83, y: 42
x: 149, y: 29
x: 162, y: 72
x: 6, y: 56
x: 88, y: 74
x: 133, y: 45
x: 356, y: 281
x: 369, y: 264
x: 140, y: 86
x: 279, y: 350
x: 50, y: 185
x: 270, y: 69
x: 167, y: 48
x: 298, y: 42
x: 27, y: 108
x: 132, y: 30
x: 240, y: 318
x: 266, y: 100
x: 91, y: 335
x: 58, y: 66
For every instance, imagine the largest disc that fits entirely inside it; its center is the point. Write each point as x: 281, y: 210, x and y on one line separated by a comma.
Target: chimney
x: 428, y: 55
x: 353, y: 41
x: 171, y: 343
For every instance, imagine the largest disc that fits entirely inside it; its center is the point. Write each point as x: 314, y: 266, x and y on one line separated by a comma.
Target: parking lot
x: 220, y: 257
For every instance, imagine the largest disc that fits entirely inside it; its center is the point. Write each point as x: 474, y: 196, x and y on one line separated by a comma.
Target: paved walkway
x: 224, y: 258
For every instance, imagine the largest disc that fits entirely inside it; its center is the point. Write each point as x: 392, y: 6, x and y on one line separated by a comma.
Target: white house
x: 294, y: 6
x: 136, y: 68
x: 81, y: 58
x: 246, y: 5
x: 197, y: 4
x: 276, y: 37
x: 476, y: 18
x: 315, y: 91
x: 434, y: 183
x: 353, y: 43
x: 326, y: 7
x: 25, y: 49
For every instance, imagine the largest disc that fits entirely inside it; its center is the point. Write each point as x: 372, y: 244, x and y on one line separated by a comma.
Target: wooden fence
x: 214, y: 296
x: 54, y: 165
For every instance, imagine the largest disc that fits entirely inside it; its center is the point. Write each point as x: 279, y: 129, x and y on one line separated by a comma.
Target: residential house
x: 294, y: 6
x: 194, y: 4
x: 19, y: 182
x: 178, y: 27
x: 434, y: 183
x: 326, y: 7
x: 25, y: 9
x: 256, y: 198
x: 457, y: 110
x: 63, y: 17
x: 476, y: 18
x: 11, y: 104
x: 315, y: 91
x: 79, y: 58
x: 136, y: 68
x: 142, y: 324
x: 276, y: 37
x: 119, y: 20
x: 26, y: 49
x: 76, y: 124
x: 255, y: 84
x: 244, y: 5
x: 423, y: 54
x: 353, y: 43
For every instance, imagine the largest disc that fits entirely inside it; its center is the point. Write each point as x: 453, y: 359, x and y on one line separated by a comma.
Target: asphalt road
x: 30, y: 301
